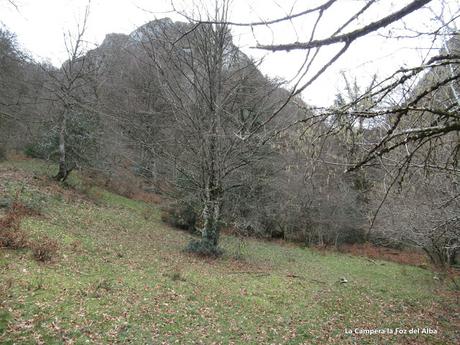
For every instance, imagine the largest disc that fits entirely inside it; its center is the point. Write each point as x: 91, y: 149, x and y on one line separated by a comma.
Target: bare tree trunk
x: 213, y: 190
x: 62, y: 173
x: 64, y: 167
x: 211, y: 216
x: 212, y: 197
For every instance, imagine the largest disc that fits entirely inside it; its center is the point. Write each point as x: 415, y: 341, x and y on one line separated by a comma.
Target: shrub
x: 351, y: 235
x: 34, y: 150
x: 44, y: 249
x: 11, y: 236
x: 203, y: 248
x: 180, y: 215
x: 2, y: 154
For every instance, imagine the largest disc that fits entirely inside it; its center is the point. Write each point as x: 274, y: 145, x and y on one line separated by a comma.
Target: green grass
x: 121, y: 277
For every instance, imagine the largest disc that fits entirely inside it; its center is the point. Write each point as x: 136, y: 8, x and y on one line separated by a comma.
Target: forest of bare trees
x: 181, y: 107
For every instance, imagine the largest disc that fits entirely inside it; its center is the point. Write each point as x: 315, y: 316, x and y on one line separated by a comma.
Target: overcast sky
x: 39, y: 26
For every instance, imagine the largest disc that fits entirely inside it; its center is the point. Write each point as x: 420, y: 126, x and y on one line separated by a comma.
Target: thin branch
x: 351, y: 36
x: 322, y: 7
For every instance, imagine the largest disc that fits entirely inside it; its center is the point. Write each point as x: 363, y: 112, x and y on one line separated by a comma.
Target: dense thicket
x: 21, y: 83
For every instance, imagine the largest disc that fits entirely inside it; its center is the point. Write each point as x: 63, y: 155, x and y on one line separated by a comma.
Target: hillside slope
x: 120, y: 277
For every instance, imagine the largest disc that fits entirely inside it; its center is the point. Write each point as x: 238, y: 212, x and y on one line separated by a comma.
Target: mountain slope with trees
x: 181, y: 107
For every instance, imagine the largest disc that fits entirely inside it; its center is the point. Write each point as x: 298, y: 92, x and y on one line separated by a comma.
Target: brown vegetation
x: 45, y: 249
x: 406, y: 257
x: 13, y: 237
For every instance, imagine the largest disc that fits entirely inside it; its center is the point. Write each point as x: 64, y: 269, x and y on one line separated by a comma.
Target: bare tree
x: 71, y: 89
x: 217, y: 102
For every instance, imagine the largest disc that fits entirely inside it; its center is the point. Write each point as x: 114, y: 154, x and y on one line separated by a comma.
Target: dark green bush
x: 2, y: 154
x: 203, y: 248
x: 34, y: 150
x: 352, y: 235
x: 180, y: 215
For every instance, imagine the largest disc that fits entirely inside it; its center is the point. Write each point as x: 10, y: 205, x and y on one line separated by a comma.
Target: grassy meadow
x: 120, y: 277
